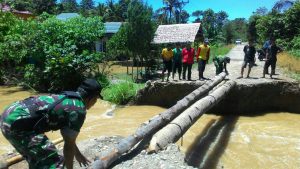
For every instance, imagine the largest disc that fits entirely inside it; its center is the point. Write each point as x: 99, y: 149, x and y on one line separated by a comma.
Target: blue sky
x: 234, y: 8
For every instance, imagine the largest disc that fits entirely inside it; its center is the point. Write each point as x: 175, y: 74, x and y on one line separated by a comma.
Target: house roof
x: 7, y: 8
x: 112, y: 27
x: 176, y: 33
x: 65, y: 16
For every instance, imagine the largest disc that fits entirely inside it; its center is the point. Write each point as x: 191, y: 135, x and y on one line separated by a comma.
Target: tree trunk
x: 156, y: 123
x: 175, y: 129
x: 127, y: 65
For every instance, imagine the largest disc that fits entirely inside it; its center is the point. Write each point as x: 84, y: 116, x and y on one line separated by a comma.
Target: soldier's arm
x: 69, y: 148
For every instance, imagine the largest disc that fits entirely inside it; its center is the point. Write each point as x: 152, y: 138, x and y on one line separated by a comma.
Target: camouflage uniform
x: 219, y: 62
x: 37, y: 149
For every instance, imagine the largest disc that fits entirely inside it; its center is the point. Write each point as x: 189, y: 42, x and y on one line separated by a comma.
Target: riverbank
x: 219, y: 142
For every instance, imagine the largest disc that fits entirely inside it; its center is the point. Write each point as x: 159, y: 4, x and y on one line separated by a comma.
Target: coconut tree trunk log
x: 175, y: 129
x: 156, y: 123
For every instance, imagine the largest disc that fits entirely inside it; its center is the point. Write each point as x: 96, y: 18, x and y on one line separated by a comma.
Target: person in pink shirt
x: 188, y: 54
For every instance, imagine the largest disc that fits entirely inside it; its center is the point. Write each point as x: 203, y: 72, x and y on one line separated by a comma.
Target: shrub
x: 61, y: 51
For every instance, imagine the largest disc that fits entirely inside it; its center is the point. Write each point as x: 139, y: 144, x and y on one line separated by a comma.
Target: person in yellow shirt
x: 203, y: 54
x: 167, y: 56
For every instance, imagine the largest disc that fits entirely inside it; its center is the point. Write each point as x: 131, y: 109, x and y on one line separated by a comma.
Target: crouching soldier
x: 220, y: 63
x: 24, y: 123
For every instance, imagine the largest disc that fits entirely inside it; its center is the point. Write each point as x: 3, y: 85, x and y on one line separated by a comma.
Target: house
x: 66, y: 16
x: 21, y: 14
x: 177, y: 33
x: 110, y: 29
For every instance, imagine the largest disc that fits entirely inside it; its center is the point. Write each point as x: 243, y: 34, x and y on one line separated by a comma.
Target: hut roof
x: 176, y: 33
x: 66, y: 16
x: 112, y: 27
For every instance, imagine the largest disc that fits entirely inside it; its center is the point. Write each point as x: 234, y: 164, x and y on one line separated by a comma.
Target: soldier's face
x: 91, y: 103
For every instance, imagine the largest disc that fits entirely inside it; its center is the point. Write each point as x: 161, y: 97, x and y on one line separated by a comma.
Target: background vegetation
x: 50, y: 55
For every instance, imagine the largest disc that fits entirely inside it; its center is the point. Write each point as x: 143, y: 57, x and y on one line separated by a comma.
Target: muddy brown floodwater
x: 271, y: 140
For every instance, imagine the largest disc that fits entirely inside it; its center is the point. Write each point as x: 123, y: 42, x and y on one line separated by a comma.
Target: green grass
x: 121, y: 93
x: 295, y: 53
x: 217, y: 50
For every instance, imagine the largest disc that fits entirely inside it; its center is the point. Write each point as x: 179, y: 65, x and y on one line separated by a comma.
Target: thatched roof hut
x: 177, y: 33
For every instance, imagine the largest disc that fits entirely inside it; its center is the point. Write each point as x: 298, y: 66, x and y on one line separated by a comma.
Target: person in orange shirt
x: 203, y: 54
x: 167, y: 56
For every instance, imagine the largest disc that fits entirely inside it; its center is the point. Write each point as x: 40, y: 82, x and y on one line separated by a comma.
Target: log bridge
x: 171, y: 124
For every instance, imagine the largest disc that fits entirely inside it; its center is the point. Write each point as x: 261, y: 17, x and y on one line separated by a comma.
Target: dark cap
x: 91, y: 88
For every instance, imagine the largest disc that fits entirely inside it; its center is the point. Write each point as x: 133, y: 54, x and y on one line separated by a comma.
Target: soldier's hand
x: 82, y: 160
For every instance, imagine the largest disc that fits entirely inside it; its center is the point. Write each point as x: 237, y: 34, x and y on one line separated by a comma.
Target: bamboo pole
x: 175, y: 129
x: 157, y: 122
x: 19, y: 158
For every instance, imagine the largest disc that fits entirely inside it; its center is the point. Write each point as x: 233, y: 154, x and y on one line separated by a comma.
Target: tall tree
x: 40, y: 6
x: 261, y: 11
x: 171, y: 12
x: 70, y: 5
x: 160, y: 16
x: 87, y: 4
x: 184, y: 16
x: 209, y: 23
x: 221, y: 18
x: 116, y: 11
x: 140, y: 29
x: 198, y: 14
x: 20, y: 4
x: 228, y: 32
x: 252, y: 31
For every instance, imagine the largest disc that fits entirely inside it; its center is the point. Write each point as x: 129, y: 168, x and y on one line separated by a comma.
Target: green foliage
x: 140, y: 28
x: 252, y: 31
x: 69, y: 5
x: 40, y: 6
x: 118, y: 44
x: 61, y: 51
x: 103, y: 80
x: 228, y: 32
x: 296, y: 47
x: 282, y: 26
x: 120, y: 93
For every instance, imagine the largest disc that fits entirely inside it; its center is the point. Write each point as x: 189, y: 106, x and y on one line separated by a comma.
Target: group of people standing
x: 181, y: 60
x: 270, y: 48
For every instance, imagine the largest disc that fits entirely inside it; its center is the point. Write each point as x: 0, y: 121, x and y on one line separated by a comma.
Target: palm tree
x: 197, y: 14
x: 283, y: 5
x: 171, y: 10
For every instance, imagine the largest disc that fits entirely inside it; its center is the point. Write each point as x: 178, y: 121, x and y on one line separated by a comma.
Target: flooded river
x: 264, y: 141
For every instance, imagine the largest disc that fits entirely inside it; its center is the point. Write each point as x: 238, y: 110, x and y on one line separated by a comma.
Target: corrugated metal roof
x: 112, y: 27
x: 65, y: 16
x: 176, y: 33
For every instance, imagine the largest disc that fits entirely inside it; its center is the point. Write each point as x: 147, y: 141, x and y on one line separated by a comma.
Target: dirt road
x: 234, y: 69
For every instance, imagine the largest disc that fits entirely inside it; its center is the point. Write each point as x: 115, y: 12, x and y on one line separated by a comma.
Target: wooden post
x: 175, y: 129
x: 156, y: 123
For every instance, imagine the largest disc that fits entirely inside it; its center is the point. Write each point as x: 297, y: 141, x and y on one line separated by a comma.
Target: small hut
x: 21, y: 14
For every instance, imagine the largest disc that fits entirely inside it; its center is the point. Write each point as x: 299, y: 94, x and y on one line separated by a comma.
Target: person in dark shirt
x: 272, y: 51
x: 249, y: 51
